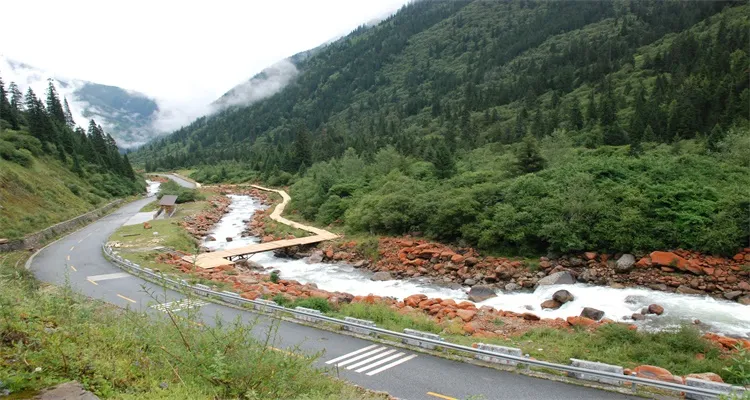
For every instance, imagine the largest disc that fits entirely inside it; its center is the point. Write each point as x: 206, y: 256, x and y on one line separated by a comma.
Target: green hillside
x: 50, y: 169
x: 640, y: 109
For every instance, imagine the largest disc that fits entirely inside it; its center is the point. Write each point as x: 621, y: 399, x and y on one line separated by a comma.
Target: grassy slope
x: 49, y: 335
x: 37, y: 197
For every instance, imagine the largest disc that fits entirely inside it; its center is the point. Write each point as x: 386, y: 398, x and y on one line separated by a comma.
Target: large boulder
x: 733, y: 294
x: 655, y: 309
x: 625, y: 263
x: 563, y: 296
x: 550, y: 304
x: 66, y: 391
x: 656, y: 373
x: 744, y: 300
x: 684, y: 289
x: 382, y: 276
x: 511, y: 287
x: 315, y: 258
x: 558, y: 278
x: 592, y: 313
x: 479, y: 293
x: 706, y: 376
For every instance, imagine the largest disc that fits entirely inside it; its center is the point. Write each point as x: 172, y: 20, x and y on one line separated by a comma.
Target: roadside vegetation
x: 49, y: 335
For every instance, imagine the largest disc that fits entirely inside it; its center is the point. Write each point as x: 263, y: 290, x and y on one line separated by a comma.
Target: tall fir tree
x: 529, y: 158
x: 54, y: 106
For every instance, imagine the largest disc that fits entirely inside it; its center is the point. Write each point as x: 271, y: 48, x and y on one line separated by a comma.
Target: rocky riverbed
x: 494, y: 282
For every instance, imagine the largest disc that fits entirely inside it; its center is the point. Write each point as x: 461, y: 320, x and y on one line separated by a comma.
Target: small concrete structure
x: 596, y: 366
x: 355, y: 329
x: 721, y: 387
x: 511, y: 351
x: 167, y: 205
x: 424, y: 345
x: 307, y: 318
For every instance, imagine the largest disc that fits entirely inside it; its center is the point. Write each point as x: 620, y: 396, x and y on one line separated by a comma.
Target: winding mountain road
x: 78, y: 259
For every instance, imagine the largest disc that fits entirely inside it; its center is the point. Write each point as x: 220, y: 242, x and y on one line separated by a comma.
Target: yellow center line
x: 73, y: 247
x: 73, y: 268
x: 438, y: 395
x: 125, y: 298
x: 68, y: 259
x: 94, y: 283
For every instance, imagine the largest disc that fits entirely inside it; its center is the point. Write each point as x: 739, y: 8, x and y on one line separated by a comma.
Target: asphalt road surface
x: 402, y: 373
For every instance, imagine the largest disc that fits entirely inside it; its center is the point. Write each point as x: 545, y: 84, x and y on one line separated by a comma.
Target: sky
x: 188, y: 52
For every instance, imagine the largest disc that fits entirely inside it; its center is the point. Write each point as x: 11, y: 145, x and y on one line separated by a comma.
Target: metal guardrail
x: 234, y: 298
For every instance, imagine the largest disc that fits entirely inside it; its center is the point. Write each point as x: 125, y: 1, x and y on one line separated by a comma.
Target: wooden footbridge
x: 227, y: 257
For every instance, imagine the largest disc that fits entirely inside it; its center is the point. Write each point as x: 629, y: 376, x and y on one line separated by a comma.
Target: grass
x: 35, y: 198
x: 50, y: 335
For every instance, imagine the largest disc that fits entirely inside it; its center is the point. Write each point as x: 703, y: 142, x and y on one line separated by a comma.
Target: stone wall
x: 34, y: 240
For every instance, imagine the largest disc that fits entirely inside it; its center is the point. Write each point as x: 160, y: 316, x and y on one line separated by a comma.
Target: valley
x: 445, y: 190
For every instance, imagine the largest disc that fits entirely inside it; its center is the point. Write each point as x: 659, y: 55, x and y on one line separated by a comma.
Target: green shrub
x: 274, y: 277
x: 316, y: 303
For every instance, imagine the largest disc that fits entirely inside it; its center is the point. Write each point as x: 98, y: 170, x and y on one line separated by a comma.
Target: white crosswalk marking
x: 179, y: 305
x: 370, y: 357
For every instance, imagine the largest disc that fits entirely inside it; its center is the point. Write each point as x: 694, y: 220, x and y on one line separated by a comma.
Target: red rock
x: 466, y: 315
x: 580, y: 321
x: 590, y: 255
x: 627, y: 371
x: 744, y: 285
x: 329, y: 253
x: 644, y: 262
x: 706, y: 376
x: 738, y: 257
x: 252, y: 295
x: 667, y: 269
x: 457, y: 259
x: 669, y: 259
x: 551, y: 304
x: 655, y: 309
x: 146, y: 225
x: 471, y: 261
x: 469, y: 328
x: 465, y: 305
x: 656, y: 373
x: 709, y: 270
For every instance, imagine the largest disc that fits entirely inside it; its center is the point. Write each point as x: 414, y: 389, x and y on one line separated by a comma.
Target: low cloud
x: 265, y: 84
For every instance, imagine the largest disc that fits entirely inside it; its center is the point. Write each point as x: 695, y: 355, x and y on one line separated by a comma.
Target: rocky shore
x: 402, y: 258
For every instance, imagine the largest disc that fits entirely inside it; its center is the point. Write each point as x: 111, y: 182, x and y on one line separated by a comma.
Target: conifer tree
x: 529, y: 157
x: 54, y: 107
x: 68, y: 115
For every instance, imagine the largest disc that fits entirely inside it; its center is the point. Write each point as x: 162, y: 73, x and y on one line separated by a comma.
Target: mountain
x: 265, y: 83
x: 126, y: 114
x: 488, y: 71
x: 462, y: 120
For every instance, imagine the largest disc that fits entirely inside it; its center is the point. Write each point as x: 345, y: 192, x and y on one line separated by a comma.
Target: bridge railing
x: 694, y: 392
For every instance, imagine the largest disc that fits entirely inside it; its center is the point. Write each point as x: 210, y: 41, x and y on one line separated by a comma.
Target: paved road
x: 180, y: 181
x: 402, y: 373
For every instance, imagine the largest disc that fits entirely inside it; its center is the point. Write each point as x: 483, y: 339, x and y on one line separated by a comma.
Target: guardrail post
x: 633, y: 385
x: 356, y: 329
x: 307, y: 318
x: 512, y: 351
x: 415, y: 342
x: 596, y: 366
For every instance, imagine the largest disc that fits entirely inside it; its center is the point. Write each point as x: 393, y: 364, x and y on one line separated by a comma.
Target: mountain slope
x: 522, y: 126
x: 127, y: 115
x: 487, y: 71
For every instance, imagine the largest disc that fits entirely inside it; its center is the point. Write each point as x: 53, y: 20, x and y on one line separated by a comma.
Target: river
x: 720, y: 316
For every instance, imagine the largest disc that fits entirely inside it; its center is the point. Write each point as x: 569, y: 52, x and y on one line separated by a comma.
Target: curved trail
x: 78, y: 259
x: 224, y: 257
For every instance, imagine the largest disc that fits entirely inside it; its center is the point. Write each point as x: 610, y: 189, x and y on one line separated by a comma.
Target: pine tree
x: 68, y: 115
x: 301, y: 153
x: 54, y: 107
x: 77, y: 165
x: 529, y: 157
x: 127, y: 167
x: 591, y: 111
x: 575, y: 116
x: 648, y: 134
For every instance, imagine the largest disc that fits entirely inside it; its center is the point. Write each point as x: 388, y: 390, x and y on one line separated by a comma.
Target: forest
x: 515, y: 126
x: 50, y: 168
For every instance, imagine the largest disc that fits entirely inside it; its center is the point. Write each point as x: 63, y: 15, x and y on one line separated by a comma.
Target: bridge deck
x: 223, y: 257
